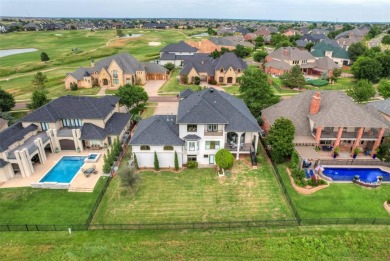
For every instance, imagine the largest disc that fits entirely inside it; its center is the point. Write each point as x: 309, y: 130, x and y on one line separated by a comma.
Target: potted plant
x: 78, y: 149
x: 336, y: 152
x: 356, y: 151
x: 356, y: 177
x: 57, y: 150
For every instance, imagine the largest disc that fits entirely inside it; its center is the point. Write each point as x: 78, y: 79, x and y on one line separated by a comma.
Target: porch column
x: 339, y: 134
x: 41, y: 151
x: 256, y: 141
x: 238, y: 145
x: 358, y: 138
x: 20, y: 164
x: 318, y: 135
x: 378, y: 141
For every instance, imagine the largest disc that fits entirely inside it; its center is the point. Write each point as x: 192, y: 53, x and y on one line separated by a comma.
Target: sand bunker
x: 58, y: 34
x: 154, y: 43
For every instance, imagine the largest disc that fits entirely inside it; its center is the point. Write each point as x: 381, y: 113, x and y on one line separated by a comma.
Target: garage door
x: 67, y: 145
x: 155, y: 77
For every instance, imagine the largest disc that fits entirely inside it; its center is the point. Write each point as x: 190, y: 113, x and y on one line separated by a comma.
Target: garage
x: 156, y: 76
x: 67, y: 145
x: 155, y: 72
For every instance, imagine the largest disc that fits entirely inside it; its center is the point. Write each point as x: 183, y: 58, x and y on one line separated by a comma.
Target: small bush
x: 184, y: 79
x: 212, y: 81
x: 176, y: 162
x: 156, y: 162
x: 135, y: 162
x: 192, y: 164
x: 317, y: 82
x: 197, y: 80
x: 73, y: 86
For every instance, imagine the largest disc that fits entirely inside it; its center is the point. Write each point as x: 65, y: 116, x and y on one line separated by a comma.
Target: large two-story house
x: 67, y: 123
x: 115, y: 71
x: 329, y: 119
x: 176, y: 52
x: 206, y: 121
x: 224, y: 70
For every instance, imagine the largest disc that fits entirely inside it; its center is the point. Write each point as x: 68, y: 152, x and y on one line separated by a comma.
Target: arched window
x: 168, y: 147
x: 145, y: 147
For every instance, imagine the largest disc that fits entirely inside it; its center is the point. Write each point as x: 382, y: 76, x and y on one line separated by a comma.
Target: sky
x: 297, y: 10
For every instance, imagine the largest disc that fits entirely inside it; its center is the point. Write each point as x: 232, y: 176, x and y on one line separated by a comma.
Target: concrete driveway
x: 164, y: 108
x: 152, y: 87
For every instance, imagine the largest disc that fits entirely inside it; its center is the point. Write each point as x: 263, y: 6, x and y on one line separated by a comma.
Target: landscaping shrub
x: 106, y: 165
x: 129, y: 178
x: 197, y: 80
x: 212, y: 81
x: 294, y: 160
x: 224, y: 159
x: 184, y: 79
x: 176, y: 161
x: 317, y: 82
x: 73, y: 86
x: 192, y: 164
x: 156, y: 163
x: 135, y: 162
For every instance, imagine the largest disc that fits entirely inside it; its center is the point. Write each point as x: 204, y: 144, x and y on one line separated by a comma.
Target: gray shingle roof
x: 213, y: 106
x: 336, y: 110
x: 3, y: 163
x: 278, y: 65
x: 155, y: 68
x: 73, y: 107
x: 222, y: 41
x: 13, y: 134
x: 3, y: 123
x: 90, y: 131
x: 184, y: 94
x: 180, y: 47
x: 326, y: 64
x: 159, y: 130
x: 382, y: 106
x: 291, y: 53
x: 116, y: 123
x: 192, y: 137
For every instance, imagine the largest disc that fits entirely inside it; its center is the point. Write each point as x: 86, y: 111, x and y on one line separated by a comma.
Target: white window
x: 212, y: 145
x: 128, y: 80
x: 191, y: 145
x: 72, y: 123
x: 115, y: 81
x: 44, y: 126
x: 191, y: 128
x: 212, y: 127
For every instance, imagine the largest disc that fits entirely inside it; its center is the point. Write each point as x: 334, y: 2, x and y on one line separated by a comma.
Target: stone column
x: 238, y: 144
x: 339, y: 134
x: 318, y: 135
x: 378, y: 141
x: 41, y: 150
x: 358, y: 139
x: 20, y: 164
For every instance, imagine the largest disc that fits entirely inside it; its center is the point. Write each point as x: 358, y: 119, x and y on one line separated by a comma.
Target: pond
x: 8, y: 52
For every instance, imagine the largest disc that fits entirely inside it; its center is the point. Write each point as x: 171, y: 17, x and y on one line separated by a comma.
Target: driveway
x: 164, y: 108
x: 152, y: 86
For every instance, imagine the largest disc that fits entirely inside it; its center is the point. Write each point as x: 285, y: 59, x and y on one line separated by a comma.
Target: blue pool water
x: 92, y: 156
x: 64, y: 170
x: 347, y: 174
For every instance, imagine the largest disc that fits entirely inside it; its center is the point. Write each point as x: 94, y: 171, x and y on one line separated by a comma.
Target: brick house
x: 329, y: 119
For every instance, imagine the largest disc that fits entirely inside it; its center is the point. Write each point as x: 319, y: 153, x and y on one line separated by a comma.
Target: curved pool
x: 367, y: 175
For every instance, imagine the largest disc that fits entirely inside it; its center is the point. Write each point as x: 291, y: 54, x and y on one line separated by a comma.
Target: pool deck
x: 383, y: 168
x: 80, y: 182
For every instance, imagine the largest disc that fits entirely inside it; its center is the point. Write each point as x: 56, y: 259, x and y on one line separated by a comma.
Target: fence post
x: 55, y: 229
x: 355, y: 221
x: 36, y: 226
x: 337, y: 221
x: 8, y: 228
x: 319, y: 221
x: 26, y: 227
x: 374, y: 221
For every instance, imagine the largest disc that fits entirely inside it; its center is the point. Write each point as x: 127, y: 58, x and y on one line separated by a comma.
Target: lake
x: 9, y: 52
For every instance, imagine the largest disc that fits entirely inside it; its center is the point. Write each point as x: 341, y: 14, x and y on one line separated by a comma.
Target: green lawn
x: 340, y: 200
x: 149, y: 110
x: 45, y: 206
x: 196, y: 196
x: 342, y: 84
x: 234, y: 90
x: 294, y: 243
x: 172, y: 86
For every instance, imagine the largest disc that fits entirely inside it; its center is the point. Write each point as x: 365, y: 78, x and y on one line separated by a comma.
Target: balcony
x: 245, y: 147
x: 332, y: 135
x: 213, y: 133
x: 65, y: 132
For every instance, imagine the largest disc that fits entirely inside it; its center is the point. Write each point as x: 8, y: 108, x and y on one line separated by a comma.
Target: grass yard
x: 293, y: 243
x: 149, y: 110
x: 196, y: 195
x: 173, y: 85
x: 234, y: 90
x: 45, y: 206
x: 340, y: 200
x: 341, y: 84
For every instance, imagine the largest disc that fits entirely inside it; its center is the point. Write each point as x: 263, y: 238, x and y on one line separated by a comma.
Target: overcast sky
x: 301, y: 10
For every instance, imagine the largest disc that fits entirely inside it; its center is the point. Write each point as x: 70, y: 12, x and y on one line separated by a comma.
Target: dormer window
x: 221, y: 70
x: 239, y: 70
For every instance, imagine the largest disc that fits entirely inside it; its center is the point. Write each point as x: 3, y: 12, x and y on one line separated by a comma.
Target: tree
x: 259, y: 55
x: 196, y: 80
x: 256, y: 91
x: 384, y: 59
x: 374, y: 31
x: 119, y: 33
x: 367, y: 68
x: 386, y: 39
x: 277, y: 38
x: 259, y: 41
x: 7, y: 101
x: 129, y: 178
x: 44, y: 57
x: 309, y: 45
x: 383, y: 151
x: 356, y: 49
x: 106, y: 165
x: 156, y: 163
x: 337, y: 72
x: 176, y: 162
x: 362, y: 91
x: 7, y: 116
x: 132, y: 96
x: 284, y: 43
x: 211, y: 31
x: 294, y: 78
x: 242, y: 51
x: 224, y: 159
x: 169, y: 67
x: 384, y: 88
x: 280, y: 137
x: 73, y: 86
x: 39, y: 98
x: 135, y: 162
x: 39, y: 81
x: 215, y: 54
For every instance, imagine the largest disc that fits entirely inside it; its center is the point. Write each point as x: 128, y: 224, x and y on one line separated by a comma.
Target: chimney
x: 285, y: 52
x: 315, y: 103
x: 92, y: 63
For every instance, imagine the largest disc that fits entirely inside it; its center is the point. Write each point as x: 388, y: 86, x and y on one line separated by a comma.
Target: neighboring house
x: 250, y: 37
x: 66, y: 123
x: 204, y: 46
x: 231, y: 42
x: 283, y: 59
x: 31, y: 27
x: 345, y: 39
x: 3, y: 124
x: 339, y: 55
x: 115, y: 71
x: 206, y: 122
x: 155, y: 26
x: 176, y: 52
x: 290, y: 32
x: 383, y: 107
x: 328, y: 118
x: 224, y: 70
x: 3, y: 28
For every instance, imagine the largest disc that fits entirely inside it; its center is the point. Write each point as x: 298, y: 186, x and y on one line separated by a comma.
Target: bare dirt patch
x: 154, y: 43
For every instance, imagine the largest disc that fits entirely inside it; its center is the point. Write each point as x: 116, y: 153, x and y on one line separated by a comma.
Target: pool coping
x: 329, y: 179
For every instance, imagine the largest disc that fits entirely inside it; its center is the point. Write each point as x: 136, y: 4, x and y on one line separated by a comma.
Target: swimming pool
x: 367, y: 175
x: 65, y: 170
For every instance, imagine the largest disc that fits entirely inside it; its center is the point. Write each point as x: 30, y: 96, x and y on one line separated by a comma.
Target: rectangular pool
x: 368, y: 175
x: 65, y: 169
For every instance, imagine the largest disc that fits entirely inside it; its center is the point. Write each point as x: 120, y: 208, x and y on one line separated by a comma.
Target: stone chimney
x: 92, y: 63
x: 315, y: 103
x: 285, y: 52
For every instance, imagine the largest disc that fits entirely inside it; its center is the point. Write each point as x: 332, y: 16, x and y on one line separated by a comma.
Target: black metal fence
x: 198, y: 225
x: 98, y: 200
x: 362, y: 162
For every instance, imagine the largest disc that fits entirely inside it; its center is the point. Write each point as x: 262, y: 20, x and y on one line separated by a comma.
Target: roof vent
x: 211, y: 90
